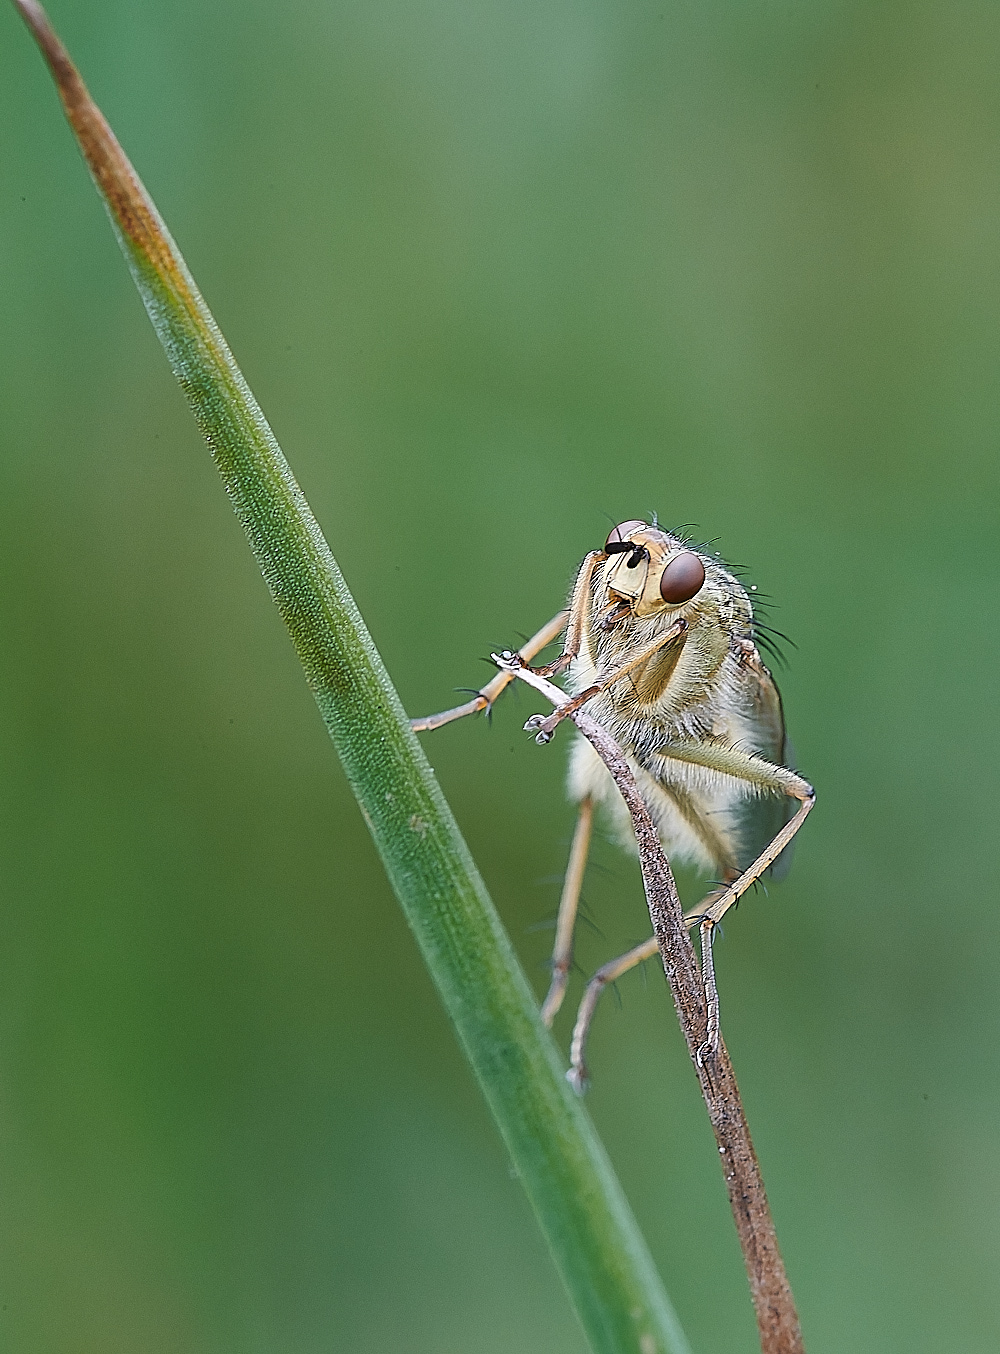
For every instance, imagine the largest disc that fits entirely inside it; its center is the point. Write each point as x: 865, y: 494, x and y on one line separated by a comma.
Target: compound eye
x: 682, y: 578
x: 622, y: 530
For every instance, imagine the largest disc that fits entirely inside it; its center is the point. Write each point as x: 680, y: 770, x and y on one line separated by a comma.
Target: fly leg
x: 544, y: 727
x: 766, y: 778
x: 711, y: 1045
x: 562, y: 950
x: 607, y: 973
x: 485, y: 698
x: 571, y: 619
x: 612, y: 971
x: 579, y: 609
x: 699, y: 913
x: 807, y: 798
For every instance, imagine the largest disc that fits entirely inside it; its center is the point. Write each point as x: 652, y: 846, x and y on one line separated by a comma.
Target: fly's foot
x: 508, y: 661
x: 578, y: 1078
x: 536, y: 725
x: 543, y: 727
x: 546, y: 727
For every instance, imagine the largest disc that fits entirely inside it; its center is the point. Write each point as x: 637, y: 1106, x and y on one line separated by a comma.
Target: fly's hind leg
x: 569, y: 902
x: 727, y: 897
x: 607, y: 973
x: 766, y: 778
x: 612, y: 971
x: 703, y: 910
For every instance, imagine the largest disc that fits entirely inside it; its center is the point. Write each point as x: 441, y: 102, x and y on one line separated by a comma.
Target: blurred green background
x: 496, y: 272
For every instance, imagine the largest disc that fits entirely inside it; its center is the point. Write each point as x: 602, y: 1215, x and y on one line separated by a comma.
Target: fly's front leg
x: 562, y: 950
x: 483, y: 699
x: 607, y: 973
x: 544, y: 726
x: 579, y: 610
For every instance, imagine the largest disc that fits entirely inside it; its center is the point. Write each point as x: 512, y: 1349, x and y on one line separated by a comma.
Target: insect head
x: 647, y: 569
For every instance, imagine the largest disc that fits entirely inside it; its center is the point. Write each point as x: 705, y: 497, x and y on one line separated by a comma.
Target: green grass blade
x: 596, y: 1244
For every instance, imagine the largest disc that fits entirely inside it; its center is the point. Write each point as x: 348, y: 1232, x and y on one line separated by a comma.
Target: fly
x: 659, y: 645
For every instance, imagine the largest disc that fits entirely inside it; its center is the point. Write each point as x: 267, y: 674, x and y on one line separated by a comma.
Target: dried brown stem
x: 117, y: 181
x: 777, y: 1319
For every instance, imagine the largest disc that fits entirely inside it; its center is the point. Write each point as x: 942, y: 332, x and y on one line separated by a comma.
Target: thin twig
x: 777, y: 1319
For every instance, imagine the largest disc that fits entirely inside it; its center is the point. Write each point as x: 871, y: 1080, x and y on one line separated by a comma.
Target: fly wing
x: 762, y: 818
